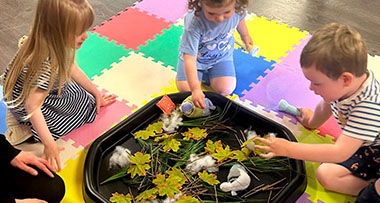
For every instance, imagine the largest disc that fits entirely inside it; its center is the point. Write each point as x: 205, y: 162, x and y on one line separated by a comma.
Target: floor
x: 304, y: 15
x: 16, y: 17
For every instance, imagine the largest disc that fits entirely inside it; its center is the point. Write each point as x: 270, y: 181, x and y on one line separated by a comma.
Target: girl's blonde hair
x: 195, y: 5
x: 52, y: 38
x: 335, y: 49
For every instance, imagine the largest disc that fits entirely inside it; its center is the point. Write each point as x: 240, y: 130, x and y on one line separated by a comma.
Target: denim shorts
x: 365, y: 163
x: 220, y: 69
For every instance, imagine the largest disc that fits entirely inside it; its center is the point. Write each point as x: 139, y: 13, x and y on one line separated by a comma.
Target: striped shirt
x: 64, y: 113
x: 359, y: 115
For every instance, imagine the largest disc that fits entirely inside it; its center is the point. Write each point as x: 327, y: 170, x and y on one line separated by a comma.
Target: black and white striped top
x: 64, y: 113
x: 359, y: 115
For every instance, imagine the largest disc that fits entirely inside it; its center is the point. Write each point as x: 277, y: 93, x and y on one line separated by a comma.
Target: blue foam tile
x: 248, y: 69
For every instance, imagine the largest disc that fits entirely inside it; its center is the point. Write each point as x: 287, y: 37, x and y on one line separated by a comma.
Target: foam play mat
x: 134, y: 54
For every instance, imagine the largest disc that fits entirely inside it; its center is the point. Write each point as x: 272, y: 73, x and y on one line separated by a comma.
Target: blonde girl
x: 44, y: 88
x: 207, y: 46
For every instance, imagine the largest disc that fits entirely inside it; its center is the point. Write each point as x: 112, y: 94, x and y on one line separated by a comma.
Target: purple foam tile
x: 171, y: 10
x: 293, y: 57
x: 285, y: 81
x: 304, y: 198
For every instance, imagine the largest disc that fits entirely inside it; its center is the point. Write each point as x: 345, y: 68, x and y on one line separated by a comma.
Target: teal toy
x: 286, y: 107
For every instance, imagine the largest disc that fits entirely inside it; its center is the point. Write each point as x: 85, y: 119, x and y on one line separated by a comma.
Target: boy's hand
x: 198, y: 98
x: 306, y: 116
x: 274, y: 147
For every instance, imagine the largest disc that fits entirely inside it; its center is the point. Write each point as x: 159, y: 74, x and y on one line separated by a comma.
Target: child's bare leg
x: 339, y: 179
x: 183, y: 85
x: 223, y: 85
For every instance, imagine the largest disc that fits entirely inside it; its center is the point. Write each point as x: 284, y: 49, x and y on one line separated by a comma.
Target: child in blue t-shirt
x: 207, y: 46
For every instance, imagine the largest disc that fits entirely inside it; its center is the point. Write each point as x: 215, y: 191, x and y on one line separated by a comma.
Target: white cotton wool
x: 198, y: 163
x: 251, y: 134
x: 172, y: 200
x: 120, y: 157
x: 171, y: 122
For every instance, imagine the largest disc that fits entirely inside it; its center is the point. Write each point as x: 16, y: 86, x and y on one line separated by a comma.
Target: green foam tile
x: 97, y: 54
x: 164, y: 47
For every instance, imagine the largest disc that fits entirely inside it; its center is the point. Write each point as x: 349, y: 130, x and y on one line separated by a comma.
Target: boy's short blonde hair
x: 335, y: 49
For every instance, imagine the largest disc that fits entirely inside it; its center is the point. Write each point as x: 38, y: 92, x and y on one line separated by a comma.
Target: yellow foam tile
x: 273, y: 39
x: 73, y: 177
x: 135, y: 78
x: 69, y: 151
x: 314, y: 189
x: 172, y: 88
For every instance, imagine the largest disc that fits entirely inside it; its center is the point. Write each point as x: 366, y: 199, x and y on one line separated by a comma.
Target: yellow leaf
x: 208, y: 178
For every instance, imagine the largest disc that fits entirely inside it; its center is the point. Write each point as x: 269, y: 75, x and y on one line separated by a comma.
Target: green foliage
x: 139, y: 164
x: 195, y: 133
x: 119, y: 175
x: 121, y: 198
x: 156, y: 170
x: 150, y: 131
x: 147, y: 195
x: 187, y: 199
x: 169, y: 142
x: 208, y: 178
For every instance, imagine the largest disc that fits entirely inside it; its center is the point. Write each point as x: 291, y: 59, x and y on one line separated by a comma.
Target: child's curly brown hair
x: 195, y: 5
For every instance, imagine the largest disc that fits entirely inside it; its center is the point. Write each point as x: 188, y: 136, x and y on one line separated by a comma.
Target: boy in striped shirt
x: 335, y: 63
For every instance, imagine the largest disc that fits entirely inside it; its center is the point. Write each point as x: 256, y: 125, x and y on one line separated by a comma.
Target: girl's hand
x: 306, y: 116
x: 51, y: 154
x: 23, y: 159
x: 103, y: 100
x: 274, y: 147
x: 198, y: 98
x: 248, y: 42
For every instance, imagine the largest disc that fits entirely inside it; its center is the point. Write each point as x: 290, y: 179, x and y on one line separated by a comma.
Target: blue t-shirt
x: 210, y: 41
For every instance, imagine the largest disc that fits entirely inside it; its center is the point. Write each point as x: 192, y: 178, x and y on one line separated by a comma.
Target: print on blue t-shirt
x: 210, y: 41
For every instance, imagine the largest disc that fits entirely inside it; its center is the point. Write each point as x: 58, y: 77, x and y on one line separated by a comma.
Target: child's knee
x: 224, y: 87
x: 225, y: 91
x: 323, y: 175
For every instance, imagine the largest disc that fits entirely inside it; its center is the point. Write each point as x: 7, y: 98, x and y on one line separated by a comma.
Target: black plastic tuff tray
x: 96, y: 167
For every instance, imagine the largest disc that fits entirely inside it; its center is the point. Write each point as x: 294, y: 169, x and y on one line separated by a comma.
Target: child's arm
x: 344, y: 148
x: 81, y: 78
x: 244, y: 35
x: 315, y: 119
x: 190, y: 63
x: 51, y: 150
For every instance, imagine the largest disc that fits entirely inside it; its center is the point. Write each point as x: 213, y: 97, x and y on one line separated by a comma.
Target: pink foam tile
x: 171, y: 10
x: 132, y: 28
x: 330, y: 127
x: 107, y: 117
